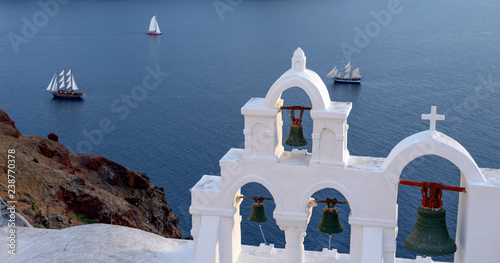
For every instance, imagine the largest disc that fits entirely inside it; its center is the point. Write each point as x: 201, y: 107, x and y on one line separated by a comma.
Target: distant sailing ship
x: 154, y: 29
x: 346, y: 76
x: 63, y: 85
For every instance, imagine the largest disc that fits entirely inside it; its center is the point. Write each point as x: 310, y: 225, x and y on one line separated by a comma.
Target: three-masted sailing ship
x: 345, y: 76
x: 63, y: 85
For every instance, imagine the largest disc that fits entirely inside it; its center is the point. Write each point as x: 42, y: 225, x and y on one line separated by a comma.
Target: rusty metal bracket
x: 331, y: 202
x: 432, y: 192
x: 296, y: 121
x: 257, y: 199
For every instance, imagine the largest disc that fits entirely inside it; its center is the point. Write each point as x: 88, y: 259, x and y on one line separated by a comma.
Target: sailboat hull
x: 355, y: 81
x: 74, y: 96
x: 154, y: 33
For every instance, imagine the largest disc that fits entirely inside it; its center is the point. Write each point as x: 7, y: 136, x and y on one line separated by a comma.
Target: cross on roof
x: 433, y: 117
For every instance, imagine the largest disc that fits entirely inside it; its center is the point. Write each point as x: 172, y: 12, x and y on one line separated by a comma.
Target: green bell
x: 430, y: 235
x: 296, y: 136
x: 330, y: 223
x: 258, y: 215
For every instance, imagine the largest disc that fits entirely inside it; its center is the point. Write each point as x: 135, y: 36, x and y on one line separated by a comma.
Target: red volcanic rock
x: 109, y: 169
x: 53, y: 137
x: 61, y: 189
x: 83, y: 204
x: 8, y: 126
x: 54, y: 150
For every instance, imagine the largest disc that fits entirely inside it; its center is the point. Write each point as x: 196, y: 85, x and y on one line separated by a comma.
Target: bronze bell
x: 296, y: 136
x: 258, y: 215
x: 430, y: 235
x: 330, y: 223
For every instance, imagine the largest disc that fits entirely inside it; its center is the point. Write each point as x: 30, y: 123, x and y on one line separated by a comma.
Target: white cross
x: 433, y: 117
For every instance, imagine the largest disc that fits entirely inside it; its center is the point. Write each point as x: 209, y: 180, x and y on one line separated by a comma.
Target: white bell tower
x: 263, y: 118
x: 368, y: 184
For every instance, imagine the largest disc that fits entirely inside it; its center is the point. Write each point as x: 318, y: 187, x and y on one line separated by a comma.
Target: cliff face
x: 57, y: 189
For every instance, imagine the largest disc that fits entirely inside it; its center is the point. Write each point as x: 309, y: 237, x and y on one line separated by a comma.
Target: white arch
x: 304, y: 200
x: 308, y: 81
x: 431, y: 143
x: 231, y: 192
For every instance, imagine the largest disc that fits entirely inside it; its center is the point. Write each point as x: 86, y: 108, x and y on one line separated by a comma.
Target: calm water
x: 427, y: 53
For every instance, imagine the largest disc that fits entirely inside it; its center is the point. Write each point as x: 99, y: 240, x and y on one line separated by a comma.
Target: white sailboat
x: 63, y: 85
x: 346, y: 76
x: 154, y: 29
x: 333, y: 73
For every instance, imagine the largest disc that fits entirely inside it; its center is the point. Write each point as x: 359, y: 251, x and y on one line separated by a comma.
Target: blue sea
x: 169, y: 105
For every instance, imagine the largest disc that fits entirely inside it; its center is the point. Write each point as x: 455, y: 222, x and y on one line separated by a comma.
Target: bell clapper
x: 329, y: 241
x: 260, y: 226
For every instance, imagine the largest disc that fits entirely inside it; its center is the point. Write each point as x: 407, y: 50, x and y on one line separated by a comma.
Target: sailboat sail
x: 153, y: 24
x: 332, y: 73
x: 157, y: 28
x: 49, y: 88
x: 68, y: 84
x: 62, y: 82
x: 355, y: 74
x: 69, y: 76
x: 346, y: 76
x: 347, y: 68
x: 55, y: 85
x: 335, y: 73
x: 347, y: 71
x: 73, y: 83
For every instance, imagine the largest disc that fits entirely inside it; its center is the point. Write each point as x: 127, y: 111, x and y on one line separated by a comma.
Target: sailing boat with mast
x: 154, y: 29
x: 345, y: 76
x: 63, y: 86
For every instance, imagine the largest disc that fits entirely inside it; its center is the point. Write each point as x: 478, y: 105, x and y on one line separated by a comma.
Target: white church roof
x: 119, y: 244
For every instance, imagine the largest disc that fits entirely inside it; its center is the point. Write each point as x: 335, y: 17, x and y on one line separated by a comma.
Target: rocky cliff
x: 56, y: 188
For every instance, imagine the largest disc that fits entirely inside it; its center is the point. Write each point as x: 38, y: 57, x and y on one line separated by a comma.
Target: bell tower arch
x: 329, y: 118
